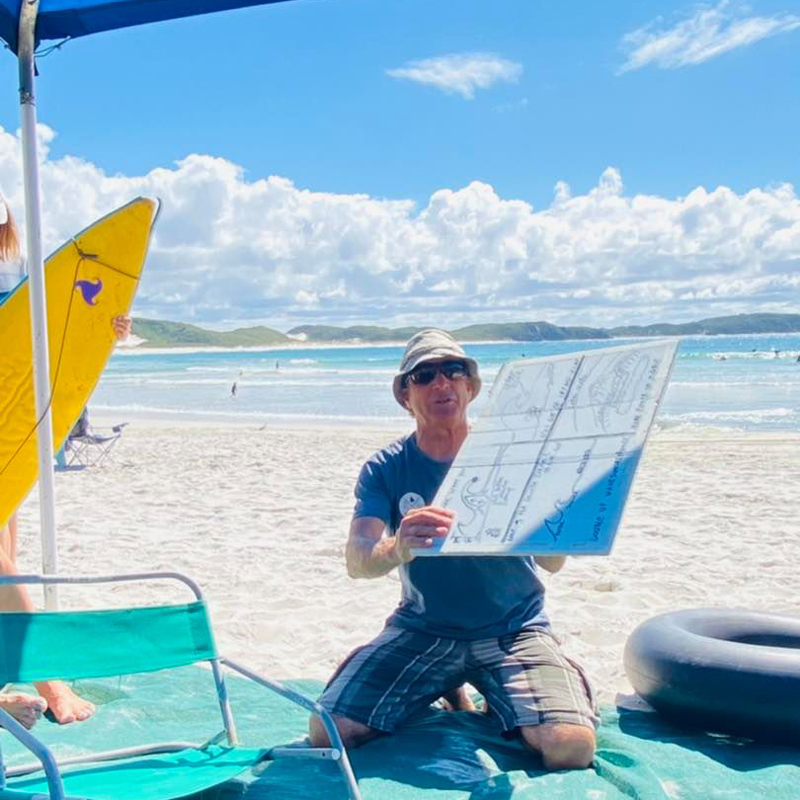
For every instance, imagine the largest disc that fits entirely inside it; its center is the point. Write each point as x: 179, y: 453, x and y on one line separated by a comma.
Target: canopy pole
x: 35, y: 267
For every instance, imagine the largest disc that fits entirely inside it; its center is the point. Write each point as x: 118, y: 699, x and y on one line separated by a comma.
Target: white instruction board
x: 547, y: 467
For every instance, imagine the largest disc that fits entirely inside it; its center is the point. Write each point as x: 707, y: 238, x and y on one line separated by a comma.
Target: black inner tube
x: 721, y: 670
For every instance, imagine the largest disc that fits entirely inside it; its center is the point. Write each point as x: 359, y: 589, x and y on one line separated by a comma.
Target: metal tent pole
x: 35, y: 266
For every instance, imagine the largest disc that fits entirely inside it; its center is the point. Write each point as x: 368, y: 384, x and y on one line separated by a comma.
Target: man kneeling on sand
x: 460, y: 618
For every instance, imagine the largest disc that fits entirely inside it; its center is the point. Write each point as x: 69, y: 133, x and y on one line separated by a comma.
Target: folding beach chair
x: 87, y: 446
x: 92, y: 644
x: 91, y: 448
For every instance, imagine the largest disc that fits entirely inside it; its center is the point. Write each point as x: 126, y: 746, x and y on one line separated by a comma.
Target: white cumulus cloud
x: 710, y: 32
x: 230, y: 252
x: 460, y: 73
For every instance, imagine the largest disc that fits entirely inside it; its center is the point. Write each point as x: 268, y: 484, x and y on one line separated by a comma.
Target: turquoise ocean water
x: 747, y: 382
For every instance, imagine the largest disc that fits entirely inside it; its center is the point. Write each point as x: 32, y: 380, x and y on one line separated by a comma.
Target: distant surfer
x: 56, y: 697
x: 233, y: 389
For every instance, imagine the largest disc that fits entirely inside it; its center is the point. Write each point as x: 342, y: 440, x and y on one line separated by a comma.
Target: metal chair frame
x: 90, y: 449
x: 52, y: 767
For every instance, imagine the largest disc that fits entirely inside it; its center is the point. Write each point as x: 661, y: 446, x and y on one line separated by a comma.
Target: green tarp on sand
x: 441, y: 756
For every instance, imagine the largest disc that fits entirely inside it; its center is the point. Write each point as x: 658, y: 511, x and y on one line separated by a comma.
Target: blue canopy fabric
x: 62, y: 19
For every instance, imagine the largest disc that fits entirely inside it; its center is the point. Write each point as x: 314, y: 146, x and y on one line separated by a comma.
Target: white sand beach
x: 259, y: 517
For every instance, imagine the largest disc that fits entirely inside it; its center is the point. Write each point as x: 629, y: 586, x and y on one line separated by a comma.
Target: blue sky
x: 416, y: 101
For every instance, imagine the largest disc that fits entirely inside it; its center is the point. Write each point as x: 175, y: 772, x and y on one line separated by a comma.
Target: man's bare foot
x: 457, y: 700
x: 25, y: 708
x: 64, y: 704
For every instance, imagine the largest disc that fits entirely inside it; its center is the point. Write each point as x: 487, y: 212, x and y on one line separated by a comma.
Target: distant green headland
x: 160, y: 333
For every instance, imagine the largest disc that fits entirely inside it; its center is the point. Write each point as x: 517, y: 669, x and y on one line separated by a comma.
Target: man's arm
x: 550, y: 563
x: 369, y: 554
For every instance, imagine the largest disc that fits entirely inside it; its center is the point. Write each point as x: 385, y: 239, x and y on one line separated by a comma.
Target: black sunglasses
x: 452, y: 370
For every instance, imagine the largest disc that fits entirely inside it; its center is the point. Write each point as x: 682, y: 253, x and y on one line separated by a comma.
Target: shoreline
x: 399, y: 425
x: 141, y: 348
x: 105, y: 418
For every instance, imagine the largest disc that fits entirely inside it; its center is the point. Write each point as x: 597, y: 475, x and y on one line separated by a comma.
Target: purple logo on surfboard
x: 89, y: 290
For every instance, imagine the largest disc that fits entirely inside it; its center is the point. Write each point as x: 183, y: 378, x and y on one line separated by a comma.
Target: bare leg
x: 562, y: 745
x: 458, y: 700
x: 64, y: 704
x: 353, y: 733
x: 8, y: 538
x: 12, y: 597
x: 25, y: 708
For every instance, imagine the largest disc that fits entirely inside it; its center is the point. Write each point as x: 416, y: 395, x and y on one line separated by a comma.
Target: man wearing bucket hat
x: 460, y: 618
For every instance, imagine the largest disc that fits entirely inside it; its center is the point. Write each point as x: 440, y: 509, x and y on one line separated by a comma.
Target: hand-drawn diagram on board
x: 548, y: 465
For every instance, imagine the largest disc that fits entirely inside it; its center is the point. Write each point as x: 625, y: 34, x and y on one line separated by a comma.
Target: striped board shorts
x: 524, y: 676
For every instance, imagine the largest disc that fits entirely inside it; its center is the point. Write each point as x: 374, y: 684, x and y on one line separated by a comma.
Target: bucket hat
x: 432, y: 344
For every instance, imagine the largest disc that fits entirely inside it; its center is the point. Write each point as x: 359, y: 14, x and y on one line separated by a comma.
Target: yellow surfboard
x: 90, y: 280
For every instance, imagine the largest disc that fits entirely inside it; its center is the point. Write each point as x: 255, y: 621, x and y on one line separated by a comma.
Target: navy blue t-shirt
x: 458, y: 597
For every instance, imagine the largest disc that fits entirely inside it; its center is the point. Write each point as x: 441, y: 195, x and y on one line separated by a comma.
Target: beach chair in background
x: 72, y: 645
x: 91, y: 449
x: 87, y: 446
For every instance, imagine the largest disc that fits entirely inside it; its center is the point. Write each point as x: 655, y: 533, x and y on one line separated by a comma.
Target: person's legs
x: 353, y: 733
x: 25, y: 708
x: 8, y: 538
x: 562, y: 745
x: 380, y: 685
x: 534, y: 688
x: 458, y: 700
x: 12, y: 597
x: 63, y: 703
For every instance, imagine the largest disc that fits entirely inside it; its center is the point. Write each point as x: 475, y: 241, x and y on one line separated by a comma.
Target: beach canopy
x: 68, y: 19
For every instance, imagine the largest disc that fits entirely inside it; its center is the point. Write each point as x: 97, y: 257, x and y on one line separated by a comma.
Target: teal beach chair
x: 71, y: 645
